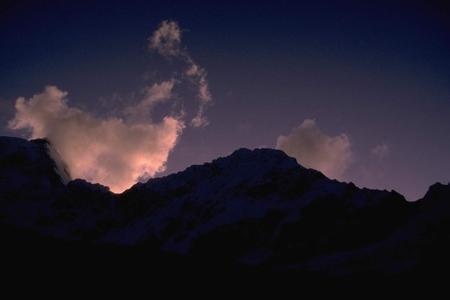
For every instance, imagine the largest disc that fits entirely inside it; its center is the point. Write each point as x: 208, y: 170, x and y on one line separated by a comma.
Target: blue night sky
x: 378, y: 74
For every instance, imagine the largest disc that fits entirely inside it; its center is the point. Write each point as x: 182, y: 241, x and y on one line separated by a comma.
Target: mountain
x: 254, y: 210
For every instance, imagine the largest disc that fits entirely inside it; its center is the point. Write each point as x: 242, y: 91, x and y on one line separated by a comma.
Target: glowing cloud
x: 116, y: 151
x: 166, y: 40
x: 109, y: 151
x: 313, y: 149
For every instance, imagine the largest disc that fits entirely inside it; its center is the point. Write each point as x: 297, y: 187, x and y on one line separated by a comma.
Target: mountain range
x: 253, y: 212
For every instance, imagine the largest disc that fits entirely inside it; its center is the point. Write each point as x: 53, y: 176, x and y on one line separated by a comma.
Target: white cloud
x: 109, y: 151
x: 312, y: 148
x: 166, y: 40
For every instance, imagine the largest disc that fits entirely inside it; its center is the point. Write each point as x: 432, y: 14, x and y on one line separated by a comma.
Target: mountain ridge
x: 254, y: 207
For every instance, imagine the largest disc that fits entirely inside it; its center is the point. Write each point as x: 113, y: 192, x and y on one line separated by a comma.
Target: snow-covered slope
x: 257, y: 207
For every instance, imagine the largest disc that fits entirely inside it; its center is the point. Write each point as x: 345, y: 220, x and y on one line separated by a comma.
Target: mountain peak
x: 258, y: 160
x: 263, y: 155
x: 254, y: 206
x: 437, y: 193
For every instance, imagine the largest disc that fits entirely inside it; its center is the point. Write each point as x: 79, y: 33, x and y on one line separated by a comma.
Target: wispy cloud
x: 166, y: 40
x: 380, y: 151
x: 153, y: 95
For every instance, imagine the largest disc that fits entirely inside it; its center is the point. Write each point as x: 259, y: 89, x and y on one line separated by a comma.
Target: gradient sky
x: 379, y: 73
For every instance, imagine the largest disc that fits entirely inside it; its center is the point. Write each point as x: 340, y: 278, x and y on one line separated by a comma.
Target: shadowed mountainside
x: 253, y: 210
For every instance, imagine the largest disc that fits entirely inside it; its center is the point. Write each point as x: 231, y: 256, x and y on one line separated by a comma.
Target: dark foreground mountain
x: 253, y: 214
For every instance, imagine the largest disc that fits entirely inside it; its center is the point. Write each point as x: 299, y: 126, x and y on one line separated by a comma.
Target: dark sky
x: 380, y: 73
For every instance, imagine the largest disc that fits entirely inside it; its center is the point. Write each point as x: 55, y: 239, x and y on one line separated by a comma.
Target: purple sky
x: 361, y: 91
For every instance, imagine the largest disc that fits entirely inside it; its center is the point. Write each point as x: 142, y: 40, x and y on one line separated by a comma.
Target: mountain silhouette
x: 256, y: 210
